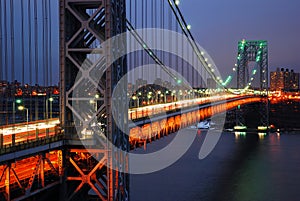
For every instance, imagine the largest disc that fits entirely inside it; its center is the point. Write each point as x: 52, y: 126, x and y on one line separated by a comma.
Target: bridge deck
x: 22, y: 136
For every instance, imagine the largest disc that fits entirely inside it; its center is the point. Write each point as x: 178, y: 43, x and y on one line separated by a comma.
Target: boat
x: 203, y: 125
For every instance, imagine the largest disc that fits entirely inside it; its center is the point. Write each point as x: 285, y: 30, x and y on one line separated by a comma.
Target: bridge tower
x: 90, y: 171
x: 253, y: 51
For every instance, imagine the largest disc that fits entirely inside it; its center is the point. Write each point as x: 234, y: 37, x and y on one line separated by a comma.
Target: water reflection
x: 262, y: 135
x: 242, y: 167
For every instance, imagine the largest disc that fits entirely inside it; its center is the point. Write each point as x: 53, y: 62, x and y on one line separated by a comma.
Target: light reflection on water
x: 242, y: 167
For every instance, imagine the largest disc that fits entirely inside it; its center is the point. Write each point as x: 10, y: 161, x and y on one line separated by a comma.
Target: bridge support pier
x: 254, y: 116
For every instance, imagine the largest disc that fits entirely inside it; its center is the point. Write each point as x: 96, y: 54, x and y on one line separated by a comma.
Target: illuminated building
x: 284, y: 80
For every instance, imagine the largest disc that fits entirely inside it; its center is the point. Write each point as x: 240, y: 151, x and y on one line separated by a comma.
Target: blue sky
x: 219, y: 25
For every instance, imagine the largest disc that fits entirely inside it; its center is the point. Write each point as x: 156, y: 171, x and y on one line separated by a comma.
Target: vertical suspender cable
x: 43, y: 61
x: 146, y: 36
x: 177, y: 47
x: 154, y: 25
x: 162, y: 9
x: 12, y: 45
x: 130, y: 61
x: 136, y: 54
x: 182, y: 56
x: 195, y: 72
x: 142, y: 18
x: 29, y: 42
x: 30, y: 55
x: 36, y: 43
x: 187, y: 64
x: 50, y: 44
x: 5, y: 42
x: 46, y: 45
x: 36, y: 37
x: 45, y: 51
x: 23, y: 39
x: 6, y: 56
x: 12, y: 55
x: 1, y: 66
x: 171, y: 39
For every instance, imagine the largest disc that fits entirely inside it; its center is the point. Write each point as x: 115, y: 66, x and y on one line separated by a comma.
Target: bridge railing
x: 141, y: 112
x: 29, y: 139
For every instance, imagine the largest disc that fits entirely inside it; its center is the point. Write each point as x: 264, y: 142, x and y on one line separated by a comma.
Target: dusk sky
x: 219, y: 25
x: 216, y: 25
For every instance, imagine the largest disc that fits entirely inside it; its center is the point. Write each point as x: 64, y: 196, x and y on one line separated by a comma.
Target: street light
x: 21, y: 108
x: 18, y: 101
x: 149, y: 96
x: 137, y: 100
x: 51, y: 100
x: 94, y: 102
x: 157, y: 96
x: 47, y: 115
x: 97, y: 96
x: 165, y: 96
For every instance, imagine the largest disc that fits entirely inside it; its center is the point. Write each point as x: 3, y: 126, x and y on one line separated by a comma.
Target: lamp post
x: 14, y: 113
x: 96, y: 101
x: 24, y: 108
x: 137, y: 100
x: 158, y: 97
x: 165, y: 97
x: 18, y: 101
x: 51, y: 100
x: 92, y: 102
x: 149, y: 96
x: 47, y: 115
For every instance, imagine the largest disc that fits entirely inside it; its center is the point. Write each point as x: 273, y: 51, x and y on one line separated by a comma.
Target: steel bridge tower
x: 253, y: 51
x: 92, y: 172
x: 256, y: 51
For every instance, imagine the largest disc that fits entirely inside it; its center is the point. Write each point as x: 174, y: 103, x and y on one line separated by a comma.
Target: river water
x: 240, y: 168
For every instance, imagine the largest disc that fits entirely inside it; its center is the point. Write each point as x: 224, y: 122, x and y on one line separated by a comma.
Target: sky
x: 216, y: 25
x: 219, y: 25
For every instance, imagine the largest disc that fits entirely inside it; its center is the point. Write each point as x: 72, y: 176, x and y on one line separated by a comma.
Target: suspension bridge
x: 122, y: 73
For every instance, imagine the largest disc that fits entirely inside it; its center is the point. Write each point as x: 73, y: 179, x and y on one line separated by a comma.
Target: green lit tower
x: 256, y: 51
x: 253, y: 51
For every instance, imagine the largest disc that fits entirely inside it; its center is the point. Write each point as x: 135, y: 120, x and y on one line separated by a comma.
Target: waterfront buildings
x: 284, y: 80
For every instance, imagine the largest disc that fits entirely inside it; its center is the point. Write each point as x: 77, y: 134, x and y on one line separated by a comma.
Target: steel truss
x: 84, y: 25
x: 24, y: 178
x: 256, y: 51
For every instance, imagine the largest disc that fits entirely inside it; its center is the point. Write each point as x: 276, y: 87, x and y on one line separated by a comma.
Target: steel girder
x: 24, y: 178
x: 84, y: 25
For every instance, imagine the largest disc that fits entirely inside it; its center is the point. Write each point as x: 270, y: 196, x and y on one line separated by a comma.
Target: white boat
x: 203, y: 125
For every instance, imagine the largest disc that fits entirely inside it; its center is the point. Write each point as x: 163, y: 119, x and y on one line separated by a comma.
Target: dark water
x: 244, y: 168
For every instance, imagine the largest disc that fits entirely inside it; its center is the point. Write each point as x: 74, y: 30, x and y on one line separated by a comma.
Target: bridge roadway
x: 152, y: 122
x: 22, y: 136
x: 144, y: 120
x: 20, y: 169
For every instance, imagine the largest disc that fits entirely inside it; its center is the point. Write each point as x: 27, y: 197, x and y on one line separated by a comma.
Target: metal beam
x: 84, y: 24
